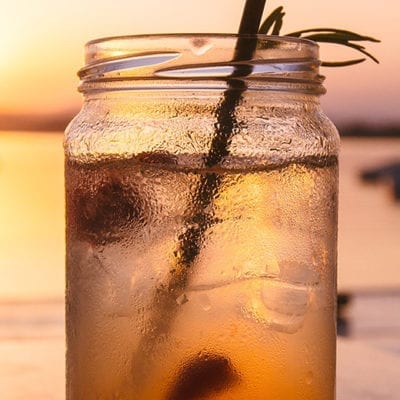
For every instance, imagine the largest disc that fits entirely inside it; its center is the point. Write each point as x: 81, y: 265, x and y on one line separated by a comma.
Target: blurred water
x: 369, y: 218
x: 32, y: 217
x: 32, y: 259
x: 31, y: 320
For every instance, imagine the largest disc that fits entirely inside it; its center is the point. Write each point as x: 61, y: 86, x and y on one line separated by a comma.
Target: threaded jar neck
x: 200, y: 61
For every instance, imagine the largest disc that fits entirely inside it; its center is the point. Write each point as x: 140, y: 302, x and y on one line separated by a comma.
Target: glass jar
x: 201, y: 222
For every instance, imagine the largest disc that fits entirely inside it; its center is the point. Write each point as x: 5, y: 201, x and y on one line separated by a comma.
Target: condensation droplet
x: 205, y: 302
x: 309, y: 377
x: 133, y: 280
x: 237, y: 271
x: 200, y: 46
x: 182, y: 299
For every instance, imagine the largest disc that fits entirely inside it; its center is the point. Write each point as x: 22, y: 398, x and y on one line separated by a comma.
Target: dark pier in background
x: 386, y: 173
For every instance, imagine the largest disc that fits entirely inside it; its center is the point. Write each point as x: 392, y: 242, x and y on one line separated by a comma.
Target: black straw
x: 251, y: 17
x: 165, y: 306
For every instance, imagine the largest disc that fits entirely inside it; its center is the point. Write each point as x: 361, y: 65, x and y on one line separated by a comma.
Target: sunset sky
x: 41, y: 47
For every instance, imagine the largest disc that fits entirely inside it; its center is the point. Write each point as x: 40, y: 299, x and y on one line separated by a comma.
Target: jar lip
x: 195, y: 57
x: 259, y: 36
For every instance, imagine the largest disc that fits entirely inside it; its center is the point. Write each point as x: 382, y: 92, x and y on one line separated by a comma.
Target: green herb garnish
x: 273, y: 25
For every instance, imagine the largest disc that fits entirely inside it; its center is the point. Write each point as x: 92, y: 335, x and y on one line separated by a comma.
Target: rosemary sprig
x: 274, y: 21
x: 273, y: 24
x: 348, y: 34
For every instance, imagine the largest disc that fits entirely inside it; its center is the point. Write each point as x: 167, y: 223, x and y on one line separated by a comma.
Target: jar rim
x: 200, y: 57
x: 276, y: 38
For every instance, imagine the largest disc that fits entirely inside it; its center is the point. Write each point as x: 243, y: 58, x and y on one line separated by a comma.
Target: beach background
x: 41, y: 47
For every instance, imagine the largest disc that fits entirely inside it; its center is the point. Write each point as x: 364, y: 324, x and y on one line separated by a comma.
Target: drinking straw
x: 165, y: 306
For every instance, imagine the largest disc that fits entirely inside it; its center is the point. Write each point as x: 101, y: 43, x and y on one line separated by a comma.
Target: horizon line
x: 57, y: 122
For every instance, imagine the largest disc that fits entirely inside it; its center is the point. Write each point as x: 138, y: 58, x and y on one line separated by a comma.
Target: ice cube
x: 278, y: 305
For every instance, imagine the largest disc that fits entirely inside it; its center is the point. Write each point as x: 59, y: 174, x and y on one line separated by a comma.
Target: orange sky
x: 41, y: 46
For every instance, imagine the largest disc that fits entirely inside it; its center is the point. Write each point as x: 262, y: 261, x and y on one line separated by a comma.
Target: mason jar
x: 201, y: 194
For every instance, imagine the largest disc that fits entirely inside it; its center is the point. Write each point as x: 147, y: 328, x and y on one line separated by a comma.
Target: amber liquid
x: 254, y: 318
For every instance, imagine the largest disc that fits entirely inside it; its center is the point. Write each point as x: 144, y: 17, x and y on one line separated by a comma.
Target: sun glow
x: 41, y: 46
x: 7, y: 49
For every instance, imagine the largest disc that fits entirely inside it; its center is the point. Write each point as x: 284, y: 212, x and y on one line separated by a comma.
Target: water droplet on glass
x: 272, y: 268
x: 309, y: 377
x: 200, y: 46
x: 133, y: 280
x: 182, y: 299
x: 238, y: 271
x: 205, y: 302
